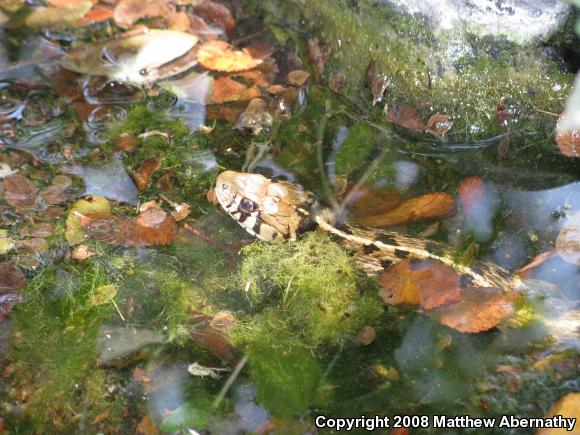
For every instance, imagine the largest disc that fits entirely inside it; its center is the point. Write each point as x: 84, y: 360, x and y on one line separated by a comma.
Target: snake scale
x: 274, y: 210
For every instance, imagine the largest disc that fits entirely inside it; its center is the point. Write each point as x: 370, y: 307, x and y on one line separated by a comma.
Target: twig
x: 229, y: 382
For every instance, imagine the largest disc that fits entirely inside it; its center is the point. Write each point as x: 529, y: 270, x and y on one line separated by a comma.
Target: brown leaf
x: 20, y: 193
x: 37, y: 245
x: 140, y: 375
x: 142, y: 176
x: 82, y: 252
x: 42, y: 229
x: 181, y: 211
x: 165, y: 182
x: 471, y: 191
x: 155, y: 227
x: 423, y: 208
x: 568, y: 407
x: 406, y: 116
x: 503, y: 147
x: 372, y: 201
x: 480, y: 309
x: 216, y: 343
x: 568, y: 240
x: 146, y: 427
x: 318, y: 56
x: 337, y: 83
x: 527, y: 270
x: 11, y: 278
x: 366, y: 335
x: 297, y: 77
x: 97, y: 14
x: 178, y: 21
x: 223, y: 320
x: 99, y: 418
x: 127, y: 12
x: 419, y: 282
x: 275, y: 89
x: 56, y: 194
x: 217, y: 14
x: 227, y: 90
x: 126, y: 142
x: 501, y: 114
x: 568, y: 140
x: 218, y: 55
x: 439, y: 124
x: 211, y: 197
x: 376, y: 82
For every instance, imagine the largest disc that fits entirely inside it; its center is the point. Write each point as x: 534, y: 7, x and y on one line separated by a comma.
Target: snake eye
x: 248, y: 205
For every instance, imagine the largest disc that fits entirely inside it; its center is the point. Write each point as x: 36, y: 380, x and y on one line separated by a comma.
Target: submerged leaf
x: 218, y: 55
x: 423, y: 208
x: 568, y: 240
x: 46, y: 16
x: 406, y: 116
x: 217, y: 14
x: 20, y: 193
x: 103, y: 294
x: 142, y: 176
x: 425, y: 283
x: 297, y: 77
x: 227, y: 90
x: 480, y: 309
x: 439, y: 124
x: 11, y: 278
x: 94, y: 206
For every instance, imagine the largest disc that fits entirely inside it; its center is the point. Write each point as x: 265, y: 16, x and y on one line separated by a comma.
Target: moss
x: 467, y: 89
x: 312, y: 283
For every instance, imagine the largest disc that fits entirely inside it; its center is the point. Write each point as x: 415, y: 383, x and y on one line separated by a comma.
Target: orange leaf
x: 370, y: 201
x: 146, y: 427
x: 227, y: 90
x: 568, y: 140
x: 568, y: 240
x: 217, y: 14
x: 419, y: 282
x: 96, y: 15
x: 419, y: 209
x: 406, y: 116
x: 297, y: 77
x: 218, y: 55
x: 480, y: 309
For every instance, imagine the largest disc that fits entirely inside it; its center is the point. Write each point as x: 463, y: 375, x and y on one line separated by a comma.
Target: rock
x: 521, y: 21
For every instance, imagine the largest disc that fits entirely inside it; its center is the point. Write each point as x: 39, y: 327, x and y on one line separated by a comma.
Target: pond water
x: 444, y: 279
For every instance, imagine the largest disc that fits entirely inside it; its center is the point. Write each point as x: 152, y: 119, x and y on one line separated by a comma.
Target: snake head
x: 268, y: 209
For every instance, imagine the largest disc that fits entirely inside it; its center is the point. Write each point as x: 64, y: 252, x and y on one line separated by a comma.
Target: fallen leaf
x: 337, y: 83
x: 46, y: 16
x: 568, y: 140
x: 140, y: 375
x: 211, y: 197
x: 275, y: 89
x: 439, y: 124
x: 59, y: 191
x: 406, y: 116
x: 94, y: 206
x: 318, y: 56
x: 480, y: 309
x: 126, y: 142
x: 142, y: 176
x: 127, y: 12
x: 97, y: 14
x: 568, y: 407
x: 103, y: 294
x: 181, y: 212
x: 503, y: 147
x: 227, y: 90
x: 470, y: 192
x: 378, y: 83
x: 37, y: 245
x: 218, y: 55
x: 217, y: 14
x: 155, y: 227
x: 366, y: 335
x: 526, y: 271
x: 255, y: 118
x: 11, y: 278
x: 82, y: 252
x: 42, y: 229
x: 430, y: 206
x: 99, y: 418
x: 501, y: 114
x: 146, y: 427
x: 166, y: 181
x: 223, y: 320
x: 568, y: 240
x: 370, y: 201
x: 178, y: 21
x: 216, y: 343
x: 425, y: 283
x: 6, y: 243
x: 20, y: 193
x: 297, y: 77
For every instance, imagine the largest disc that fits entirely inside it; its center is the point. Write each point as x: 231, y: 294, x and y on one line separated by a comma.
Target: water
x: 139, y: 315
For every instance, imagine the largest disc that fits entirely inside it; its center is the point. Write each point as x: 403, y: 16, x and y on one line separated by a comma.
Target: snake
x: 277, y: 211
